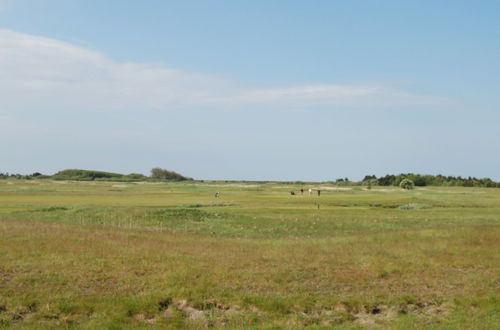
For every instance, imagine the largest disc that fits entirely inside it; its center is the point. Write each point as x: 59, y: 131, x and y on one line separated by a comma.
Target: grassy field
x: 170, y: 255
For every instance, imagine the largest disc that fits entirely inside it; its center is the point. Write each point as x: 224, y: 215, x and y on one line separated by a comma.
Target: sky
x: 251, y: 90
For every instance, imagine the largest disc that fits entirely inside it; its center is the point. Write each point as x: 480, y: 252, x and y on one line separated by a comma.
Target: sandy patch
x: 333, y: 188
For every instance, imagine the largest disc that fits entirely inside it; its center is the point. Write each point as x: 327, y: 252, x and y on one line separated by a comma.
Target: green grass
x: 171, y: 255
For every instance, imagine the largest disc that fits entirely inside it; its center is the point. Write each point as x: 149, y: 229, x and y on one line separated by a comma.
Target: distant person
x: 310, y: 191
x: 319, y: 192
x: 217, y: 194
x: 302, y: 191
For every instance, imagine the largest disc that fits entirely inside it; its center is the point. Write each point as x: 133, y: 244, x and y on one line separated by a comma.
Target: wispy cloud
x: 40, y: 72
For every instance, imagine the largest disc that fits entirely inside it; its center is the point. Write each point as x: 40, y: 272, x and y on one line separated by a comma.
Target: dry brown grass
x: 44, y: 264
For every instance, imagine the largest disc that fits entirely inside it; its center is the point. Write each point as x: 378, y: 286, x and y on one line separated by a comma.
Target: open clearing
x: 171, y: 255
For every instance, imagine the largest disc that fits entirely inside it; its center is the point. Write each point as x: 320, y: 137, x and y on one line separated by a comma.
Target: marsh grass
x: 414, y: 206
x: 172, y: 256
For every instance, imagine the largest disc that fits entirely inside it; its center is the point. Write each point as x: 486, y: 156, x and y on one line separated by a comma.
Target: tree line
x: 420, y: 180
x: 90, y: 175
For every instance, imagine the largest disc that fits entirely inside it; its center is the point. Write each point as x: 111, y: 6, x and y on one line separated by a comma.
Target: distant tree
x: 370, y: 182
x: 419, y: 180
x: 387, y: 180
x: 135, y: 176
x: 431, y: 180
x: 406, y: 184
x: 160, y: 173
x: 369, y: 178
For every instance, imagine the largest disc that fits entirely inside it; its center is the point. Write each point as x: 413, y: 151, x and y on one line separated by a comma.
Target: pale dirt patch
x: 379, y: 313
x: 144, y: 318
x: 188, y: 311
x: 173, y: 307
x: 333, y: 188
x: 429, y: 308
x: 169, y: 313
x: 119, y: 186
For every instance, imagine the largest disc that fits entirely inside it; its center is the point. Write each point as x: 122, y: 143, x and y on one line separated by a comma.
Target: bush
x: 135, y: 176
x: 406, y: 184
x: 160, y: 173
x: 74, y: 174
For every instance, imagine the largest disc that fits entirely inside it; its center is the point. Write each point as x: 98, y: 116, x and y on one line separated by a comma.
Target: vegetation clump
x: 160, y: 173
x: 414, y: 206
x: 75, y: 174
x: 407, y: 184
x: 421, y: 180
x: 90, y: 175
x: 36, y: 175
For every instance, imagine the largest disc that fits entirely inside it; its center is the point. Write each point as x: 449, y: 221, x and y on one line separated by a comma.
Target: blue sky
x: 256, y: 90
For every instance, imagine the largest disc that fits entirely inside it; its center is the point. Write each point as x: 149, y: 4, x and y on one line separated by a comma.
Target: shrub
x: 74, y: 174
x: 135, y: 176
x: 406, y: 184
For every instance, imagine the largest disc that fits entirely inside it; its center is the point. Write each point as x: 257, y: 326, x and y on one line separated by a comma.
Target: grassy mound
x: 75, y: 174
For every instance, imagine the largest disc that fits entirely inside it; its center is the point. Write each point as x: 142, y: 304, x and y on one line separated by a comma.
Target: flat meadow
x: 115, y: 255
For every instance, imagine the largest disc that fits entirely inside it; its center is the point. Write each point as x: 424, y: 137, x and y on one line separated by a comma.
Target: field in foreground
x: 135, y: 255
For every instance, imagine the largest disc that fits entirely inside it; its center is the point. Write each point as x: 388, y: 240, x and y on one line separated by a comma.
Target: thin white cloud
x: 39, y: 72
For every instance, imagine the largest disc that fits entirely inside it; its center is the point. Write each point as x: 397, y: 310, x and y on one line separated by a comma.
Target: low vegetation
x: 430, y: 180
x: 160, y: 173
x: 85, y: 175
x: 406, y: 184
x: 90, y: 175
x: 163, y: 174
x: 165, y: 254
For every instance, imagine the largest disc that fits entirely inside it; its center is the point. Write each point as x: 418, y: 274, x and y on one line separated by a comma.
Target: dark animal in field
x: 217, y: 194
x: 292, y: 192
